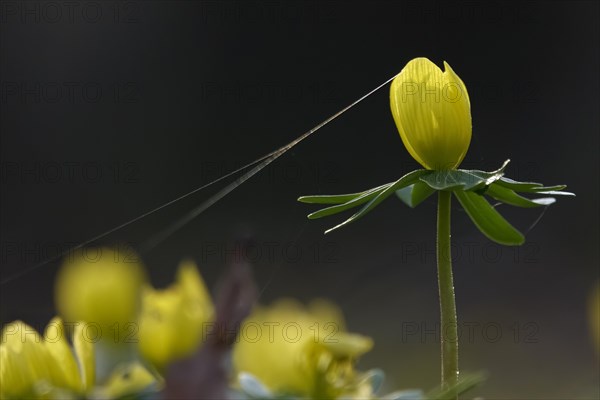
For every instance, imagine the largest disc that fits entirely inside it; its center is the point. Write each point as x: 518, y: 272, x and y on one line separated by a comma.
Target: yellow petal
x: 26, y: 364
x: 15, y: 378
x: 273, y: 347
x: 55, y: 341
x: 192, y: 284
x: 158, y: 325
x: 173, y: 320
x: 328, y: 314
x: 84, y: 352
x: 348, y: 345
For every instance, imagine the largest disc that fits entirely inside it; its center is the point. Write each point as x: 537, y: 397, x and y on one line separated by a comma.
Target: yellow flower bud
x: 102, y: 287
x: 432, y: 112
x: 300, y: 351
x: 172, y: 320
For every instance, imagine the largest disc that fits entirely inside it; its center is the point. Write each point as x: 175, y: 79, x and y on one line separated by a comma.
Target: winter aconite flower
x: 432, y: 112
x: 38, y: 367
x: 301, y: 352
x: 101, y: 286
x: 172, y: 320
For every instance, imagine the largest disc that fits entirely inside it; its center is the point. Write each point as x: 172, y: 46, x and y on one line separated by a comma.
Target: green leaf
x: 509, y: 196
x: 549, y: 188
x: 488, y: 220
x: 533, y: 187
x: 554, y: 193
x: 518, y: 186
x: 415, y: 194
x: 406, y: 180
x: 463, y: 179
x: 337, y: 198
x: 366, y: 196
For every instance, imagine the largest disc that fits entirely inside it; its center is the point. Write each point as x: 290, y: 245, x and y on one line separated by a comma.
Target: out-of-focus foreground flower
x: 432, y: 112
x: 110, y: 289
x: 283, y: 350
x: 119, y: 321
x: 38, y: 367
x: 298, y: 351
x: 172, y: 320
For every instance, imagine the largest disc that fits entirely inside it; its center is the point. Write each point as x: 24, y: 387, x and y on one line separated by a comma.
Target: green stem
x: 448, y: 324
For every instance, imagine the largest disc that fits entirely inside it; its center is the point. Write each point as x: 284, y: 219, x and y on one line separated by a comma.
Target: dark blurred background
x: 112, y: 108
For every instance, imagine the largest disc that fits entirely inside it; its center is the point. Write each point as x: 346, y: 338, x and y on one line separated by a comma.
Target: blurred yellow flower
x: 299, y: 351
x: 44, y: 368
x: 101, y: 286
x: 432, y: 112
x: 172, y: 320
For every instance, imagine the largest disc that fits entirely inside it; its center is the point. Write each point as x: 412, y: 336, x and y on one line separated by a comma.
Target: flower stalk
x: 448, y: 321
